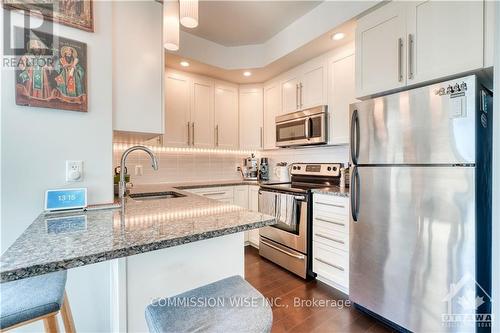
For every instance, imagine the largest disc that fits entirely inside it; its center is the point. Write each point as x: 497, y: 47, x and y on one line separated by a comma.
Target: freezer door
x: 414, y: 237
x: 429, y: 125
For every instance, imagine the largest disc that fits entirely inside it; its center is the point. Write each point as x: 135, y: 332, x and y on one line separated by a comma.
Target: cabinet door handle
x: 410, y: 56
x: 192, y: 133
x: 330, y: 221
x: 300, y: 90
x: 330, y: 264
x: 217, y: 135
x: 297, y: 96
x: 331, y: 238
x: 213, y: 193
x: 189, y: 133
x: 400, y: 60
x: 261, y: 137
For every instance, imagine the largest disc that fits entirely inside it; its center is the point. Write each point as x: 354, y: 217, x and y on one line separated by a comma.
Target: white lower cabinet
x: 246, y: 196
x: 222, y: 193
x: 253, y: 205
x: 331, y: 240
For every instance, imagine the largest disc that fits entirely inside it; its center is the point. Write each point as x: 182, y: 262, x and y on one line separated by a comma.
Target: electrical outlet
x: 74, y: 171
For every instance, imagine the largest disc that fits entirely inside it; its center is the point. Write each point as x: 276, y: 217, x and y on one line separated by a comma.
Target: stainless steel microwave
x: 302, y: 128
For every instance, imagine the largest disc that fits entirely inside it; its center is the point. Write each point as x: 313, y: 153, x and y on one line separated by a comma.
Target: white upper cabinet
x: 304, y: 87
x: 405, y: 43
x: 251, y: 113
x: 313, y: 87
x: 290, y: 88
x: 443, y: 38
x: 189, y: 111
x: 177, y: 110
x: 202, y: 115
x: 226, y: 116
x: 380, y: 50
x: 272, y: 108
x: 341, y: 93
x: 137, y: 74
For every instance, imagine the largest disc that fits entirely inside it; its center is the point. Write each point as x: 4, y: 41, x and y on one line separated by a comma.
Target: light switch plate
x: 74, y: 171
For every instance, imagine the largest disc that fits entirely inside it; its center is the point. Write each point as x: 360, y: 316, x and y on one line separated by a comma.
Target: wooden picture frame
x: 78, y: 14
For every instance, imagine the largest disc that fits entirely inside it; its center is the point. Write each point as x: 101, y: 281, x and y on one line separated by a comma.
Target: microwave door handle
x: 306, y: 127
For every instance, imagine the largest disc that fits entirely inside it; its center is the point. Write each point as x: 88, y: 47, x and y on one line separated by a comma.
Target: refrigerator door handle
x: 355, y: 187
x: 354, y: 137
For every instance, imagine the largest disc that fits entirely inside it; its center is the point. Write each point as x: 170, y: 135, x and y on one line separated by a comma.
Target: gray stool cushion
x: 228, y: 305
x: 29, y: 298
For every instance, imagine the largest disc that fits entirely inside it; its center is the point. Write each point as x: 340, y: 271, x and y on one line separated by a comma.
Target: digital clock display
x: 66, y: 199
x: 313, y: 168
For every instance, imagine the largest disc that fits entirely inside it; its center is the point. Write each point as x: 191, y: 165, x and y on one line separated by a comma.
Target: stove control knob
x: 294, y: 167
x: 298, y: 168
x: 329, y: 168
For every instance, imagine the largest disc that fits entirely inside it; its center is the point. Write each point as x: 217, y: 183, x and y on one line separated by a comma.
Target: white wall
x: 35, y: 142
x: 496, y: 180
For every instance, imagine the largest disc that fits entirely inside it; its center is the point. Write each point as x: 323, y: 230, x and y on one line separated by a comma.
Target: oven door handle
x: 296, y: 197
x: 297, y: 256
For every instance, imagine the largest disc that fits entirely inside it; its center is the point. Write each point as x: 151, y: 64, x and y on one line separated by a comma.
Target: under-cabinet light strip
x: 117, y: 147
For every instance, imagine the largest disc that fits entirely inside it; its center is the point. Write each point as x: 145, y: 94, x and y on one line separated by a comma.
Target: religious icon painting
x: 51, y: 72
x: 74, y: 13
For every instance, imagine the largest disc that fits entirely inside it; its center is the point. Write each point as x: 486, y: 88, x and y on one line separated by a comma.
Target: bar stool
x: 38, y: 298
x: 228, y: 305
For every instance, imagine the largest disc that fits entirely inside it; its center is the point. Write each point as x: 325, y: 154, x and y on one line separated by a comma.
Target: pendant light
x: 171, y: 25
x: 189, y: 13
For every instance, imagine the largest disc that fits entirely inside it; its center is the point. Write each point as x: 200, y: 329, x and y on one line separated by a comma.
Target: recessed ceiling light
x: 184, y: 64
x: 247, y: 73
x: 338, y: 36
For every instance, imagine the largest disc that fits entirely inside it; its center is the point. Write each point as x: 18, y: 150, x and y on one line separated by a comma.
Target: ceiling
x: 318, y: 46
x: 235, y: 23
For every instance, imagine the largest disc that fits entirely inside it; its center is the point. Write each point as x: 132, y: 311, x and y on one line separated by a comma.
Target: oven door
x: 301, y: 131
x: 291, y: 233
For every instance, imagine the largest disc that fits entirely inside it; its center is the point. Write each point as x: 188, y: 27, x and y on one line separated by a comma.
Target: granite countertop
x: 84, y: 238
x: 333, y: 190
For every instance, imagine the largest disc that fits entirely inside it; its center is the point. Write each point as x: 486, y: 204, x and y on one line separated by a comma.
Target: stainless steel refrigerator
x: 420, y: 230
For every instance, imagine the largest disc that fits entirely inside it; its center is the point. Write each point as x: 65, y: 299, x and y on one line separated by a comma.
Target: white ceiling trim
x: 315, y: 23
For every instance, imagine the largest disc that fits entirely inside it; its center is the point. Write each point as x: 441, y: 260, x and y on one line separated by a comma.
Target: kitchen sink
x: 155, y: 195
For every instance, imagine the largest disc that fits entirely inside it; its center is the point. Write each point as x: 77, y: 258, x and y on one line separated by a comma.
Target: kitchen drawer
x: 337, y: 240
x: 331, y: 204
x: 217, y: 193
x: 331, y: 221
x: 331, y: 264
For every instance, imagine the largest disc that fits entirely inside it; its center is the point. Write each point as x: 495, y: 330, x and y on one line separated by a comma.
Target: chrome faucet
x: 122, y: 188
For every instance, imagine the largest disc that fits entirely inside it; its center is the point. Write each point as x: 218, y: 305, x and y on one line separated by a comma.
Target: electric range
x: 288, y: 243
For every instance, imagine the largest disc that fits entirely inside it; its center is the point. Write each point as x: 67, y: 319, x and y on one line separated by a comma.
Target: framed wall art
x: 74, y: 13
x: 51, y: 72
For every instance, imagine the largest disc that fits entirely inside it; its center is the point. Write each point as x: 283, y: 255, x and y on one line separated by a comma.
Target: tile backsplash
x: 184, y: 165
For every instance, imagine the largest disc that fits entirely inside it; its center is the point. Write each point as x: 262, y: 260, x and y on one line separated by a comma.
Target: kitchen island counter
x: 61, y: 241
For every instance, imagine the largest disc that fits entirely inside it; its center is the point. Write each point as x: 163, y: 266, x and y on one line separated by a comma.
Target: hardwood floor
x: 288, y: 291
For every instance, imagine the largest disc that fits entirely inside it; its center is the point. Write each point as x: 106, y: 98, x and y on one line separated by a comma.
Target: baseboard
x: 248, y: 243
x: 333, y: 284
